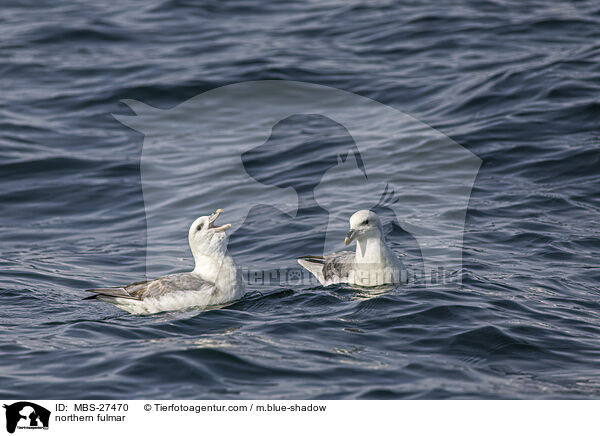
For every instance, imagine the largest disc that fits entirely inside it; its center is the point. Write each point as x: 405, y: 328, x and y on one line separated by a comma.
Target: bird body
x: 372, y: 264
x: 214, y: 280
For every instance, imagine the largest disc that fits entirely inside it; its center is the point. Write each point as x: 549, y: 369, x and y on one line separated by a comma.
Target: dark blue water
x: 516, y: 83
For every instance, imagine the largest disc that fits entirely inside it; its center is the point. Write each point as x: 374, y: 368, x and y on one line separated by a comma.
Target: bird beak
x: 215, y: 215
x: 350, y: 237
x: 222, y: 228
x: 213, y: 218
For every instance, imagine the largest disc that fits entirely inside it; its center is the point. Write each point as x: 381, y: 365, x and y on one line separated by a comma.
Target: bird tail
x: 314, y: 264
x: 117, y: 292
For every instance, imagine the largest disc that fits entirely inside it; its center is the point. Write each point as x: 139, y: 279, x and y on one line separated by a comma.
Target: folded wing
x: 157, y: 288
x: 333, y: 268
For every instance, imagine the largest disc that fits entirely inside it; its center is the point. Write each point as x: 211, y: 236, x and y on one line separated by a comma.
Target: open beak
x: 351, y: 236
x: 213, y: 218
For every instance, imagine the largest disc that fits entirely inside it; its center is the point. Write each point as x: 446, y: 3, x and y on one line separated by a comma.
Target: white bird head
x: 364, y: 224
x: 207, y: 239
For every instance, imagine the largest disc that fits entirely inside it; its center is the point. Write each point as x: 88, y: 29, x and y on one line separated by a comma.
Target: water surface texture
x: 515, y: 83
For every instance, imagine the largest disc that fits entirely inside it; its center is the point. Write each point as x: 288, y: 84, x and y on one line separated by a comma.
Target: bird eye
x: 199, y: 226
x: 366, y: 222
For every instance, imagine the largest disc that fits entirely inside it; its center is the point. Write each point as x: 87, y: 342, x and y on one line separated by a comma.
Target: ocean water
x: 516, y: 84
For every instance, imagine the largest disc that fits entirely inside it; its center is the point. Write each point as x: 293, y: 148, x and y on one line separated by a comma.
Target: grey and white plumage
x: 372, y: 264
x: 214, y: 280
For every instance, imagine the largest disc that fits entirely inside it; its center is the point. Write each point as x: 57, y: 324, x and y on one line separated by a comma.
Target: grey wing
x: 184, y: 282
x: 155, y: 288
x: 338, y: 265
x: 325, y: 268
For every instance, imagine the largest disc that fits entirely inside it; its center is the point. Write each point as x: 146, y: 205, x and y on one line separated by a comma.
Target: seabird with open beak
x: 214, y: 280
